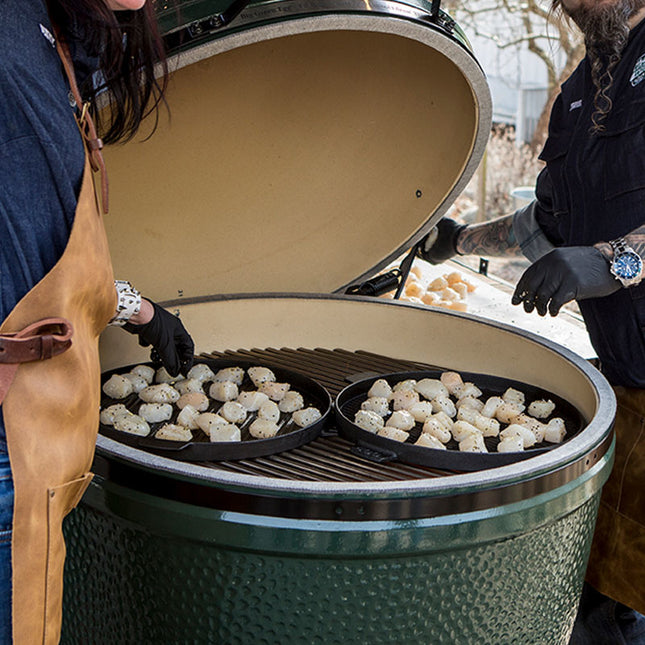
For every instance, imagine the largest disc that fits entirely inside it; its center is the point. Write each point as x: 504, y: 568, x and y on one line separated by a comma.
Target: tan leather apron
x: 51, y: 413
x: 617, y: 562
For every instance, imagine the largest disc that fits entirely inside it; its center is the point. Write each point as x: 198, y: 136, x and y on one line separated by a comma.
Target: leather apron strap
x: 37, y: 342
x: 51, y: 409
x: 93, y: 144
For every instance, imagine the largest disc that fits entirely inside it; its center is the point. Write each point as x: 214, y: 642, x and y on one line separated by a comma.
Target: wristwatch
x: 626, y: 265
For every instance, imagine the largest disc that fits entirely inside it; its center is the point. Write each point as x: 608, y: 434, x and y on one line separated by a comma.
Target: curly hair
x: 132, y: 63
x: 605, y: 28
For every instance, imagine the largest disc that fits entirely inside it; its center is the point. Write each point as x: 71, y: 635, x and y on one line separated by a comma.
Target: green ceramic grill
x: 309, y: 145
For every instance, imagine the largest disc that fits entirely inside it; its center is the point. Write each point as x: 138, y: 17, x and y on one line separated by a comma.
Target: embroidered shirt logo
x: 638, y: 74
x: 575, y: 105
x: 48, y: 34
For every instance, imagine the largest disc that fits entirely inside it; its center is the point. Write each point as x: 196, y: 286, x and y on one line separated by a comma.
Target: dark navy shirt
x: 593, y: 190
x: 41, y: 152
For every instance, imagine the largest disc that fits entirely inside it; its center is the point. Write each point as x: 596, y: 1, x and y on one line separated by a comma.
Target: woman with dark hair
x: 60, y: 60
x: 585, y: 237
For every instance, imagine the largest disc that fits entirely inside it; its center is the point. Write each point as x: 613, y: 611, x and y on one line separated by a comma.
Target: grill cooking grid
x: 327, y: 458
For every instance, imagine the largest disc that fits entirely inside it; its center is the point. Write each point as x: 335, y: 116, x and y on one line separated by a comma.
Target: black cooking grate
x: 328, y: 458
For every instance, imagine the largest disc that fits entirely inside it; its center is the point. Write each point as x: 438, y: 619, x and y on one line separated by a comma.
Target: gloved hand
x: 564, y: 274
x: 168, y: 337
x: 440, y: 244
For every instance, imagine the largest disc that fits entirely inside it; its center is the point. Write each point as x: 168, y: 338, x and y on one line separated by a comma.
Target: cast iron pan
x: 201, y: 448
x: 382, y: 449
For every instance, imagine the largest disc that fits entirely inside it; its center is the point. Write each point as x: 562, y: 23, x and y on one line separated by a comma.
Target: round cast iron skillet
x: 382, y: 449
x: 200, y: 448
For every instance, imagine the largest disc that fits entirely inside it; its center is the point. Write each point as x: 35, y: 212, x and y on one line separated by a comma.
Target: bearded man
x: 585, y: 236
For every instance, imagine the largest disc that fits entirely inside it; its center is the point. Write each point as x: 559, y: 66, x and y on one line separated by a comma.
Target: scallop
x: 144, y: 371
x: 453, y: 382
x: 407, y: 384
x: 260, y: 375
x: 438, y: 431
x: 515, y: 429
x: 269, y: 411
x: 223, y: 391
x: 274, y: 390
x: 160, y: 393
x: 444, y: 420
x: 473, y: 443
x: 491, y: 405
x: 174, y: 432
x: 132, y: 424
x: 514, y: 396
x: 378, y: 404
x: 163, y: 376
x: 462, y: 429
x: 470, y: 402
x: 438, y: 284
x: 118, y: 387
x: 534, y: 425
x: 226, y: 432
x: 380, y: 388
x: 155, y: 412
x: 393, y: 433
x: 201, y: 372
x: 197, y: 400
x: 189, y: 385
x: 486, y: 425
x: 138, y: 382
x: 506, y: 412
x: 555, y: 430
x: 404, y: 399
x: 252, y: 400
x: 445, y: 405
x: 263, y: 429
x: 421, y: 411
x: 306, y: 416
x: 431, y: 388
x: 469, y: 389
x: 541, y: 409
x: 291, y: 402
x: 233, y: 412
x: 109, y: 414
x: 368, y: 420
x: 429, y: 441
x: 401, y: 419
x: 513, y: 443
x: 209, y: 420
x: 233, y: 374
x: 187, y: 417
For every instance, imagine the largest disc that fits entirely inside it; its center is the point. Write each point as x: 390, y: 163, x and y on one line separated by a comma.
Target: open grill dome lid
x: 303, y: 152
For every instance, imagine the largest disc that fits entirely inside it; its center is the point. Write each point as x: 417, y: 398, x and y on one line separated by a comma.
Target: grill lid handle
x: 386, y: 282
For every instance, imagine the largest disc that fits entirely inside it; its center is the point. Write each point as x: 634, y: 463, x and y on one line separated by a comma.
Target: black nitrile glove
x: 440, y: 244
x: 564, y: 274
x: 168, y: 337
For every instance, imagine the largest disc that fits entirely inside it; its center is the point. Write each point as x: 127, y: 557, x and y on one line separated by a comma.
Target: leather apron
x: 617, y: 561
x: 51, y: 409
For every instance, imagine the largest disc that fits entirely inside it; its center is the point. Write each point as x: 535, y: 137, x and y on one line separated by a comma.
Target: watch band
x: 619, y: 245
x: 128, y: 303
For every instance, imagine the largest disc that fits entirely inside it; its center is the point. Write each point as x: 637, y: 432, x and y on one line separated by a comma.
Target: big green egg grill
x: 309, y: 145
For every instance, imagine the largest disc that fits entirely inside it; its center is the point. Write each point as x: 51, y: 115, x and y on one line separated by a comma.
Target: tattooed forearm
x: 493, y: 238
x: 636, y: 239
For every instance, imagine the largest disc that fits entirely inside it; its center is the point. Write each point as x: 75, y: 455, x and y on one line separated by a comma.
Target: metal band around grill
x: 346, y: 509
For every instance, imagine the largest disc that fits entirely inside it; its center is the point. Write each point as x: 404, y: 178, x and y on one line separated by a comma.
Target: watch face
x: 627, y: 265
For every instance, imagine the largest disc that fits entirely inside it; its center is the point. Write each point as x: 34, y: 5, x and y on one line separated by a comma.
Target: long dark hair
x: 132, y: 62
x: 606, y: 32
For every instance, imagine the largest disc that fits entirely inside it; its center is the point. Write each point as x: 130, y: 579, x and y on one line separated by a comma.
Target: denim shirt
x: 41, y: 152
x: 593, y: 189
